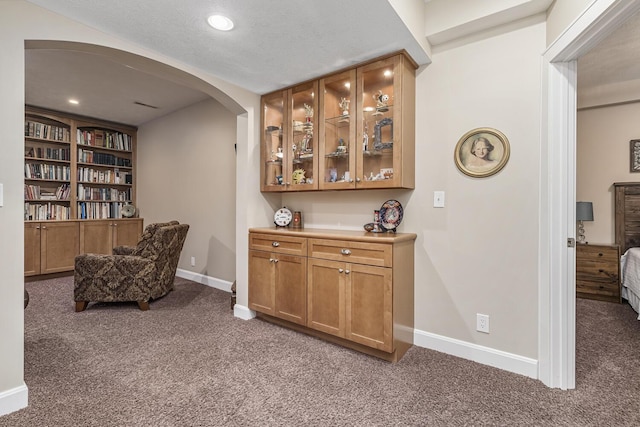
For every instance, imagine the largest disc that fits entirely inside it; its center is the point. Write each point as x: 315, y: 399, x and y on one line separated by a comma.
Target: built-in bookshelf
x: 76, y: 167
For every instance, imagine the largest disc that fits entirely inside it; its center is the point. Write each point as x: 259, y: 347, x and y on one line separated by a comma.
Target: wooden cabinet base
x: 401, y: 347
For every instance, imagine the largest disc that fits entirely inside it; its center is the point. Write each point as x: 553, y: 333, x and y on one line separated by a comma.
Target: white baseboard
x: 223, y: 285
x: 477, y: 353
x: 242, y: 312
x: 14, y: 399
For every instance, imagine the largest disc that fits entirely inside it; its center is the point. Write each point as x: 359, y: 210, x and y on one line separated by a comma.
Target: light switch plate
x: 438, y: 199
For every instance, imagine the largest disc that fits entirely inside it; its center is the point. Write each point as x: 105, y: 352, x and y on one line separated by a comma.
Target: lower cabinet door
x: 59, y: 246
x: 291, y: 288
x: 326, y: 296
x: 31, y: 248
x: 369, y: 306
x: 261, y: 282
x: 96, y: 237
x: 126, y: 232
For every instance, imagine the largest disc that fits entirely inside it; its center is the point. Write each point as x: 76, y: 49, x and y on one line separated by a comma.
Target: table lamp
x: 584, y: 212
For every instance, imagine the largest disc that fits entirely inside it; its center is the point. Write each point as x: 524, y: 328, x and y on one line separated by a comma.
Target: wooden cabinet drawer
x: 598, y: 253
x: 377, y: 254
x: 280, y: 244
x: 598, y: 272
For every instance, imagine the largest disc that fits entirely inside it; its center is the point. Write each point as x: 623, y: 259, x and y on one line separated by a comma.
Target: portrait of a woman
x: 482, y: 152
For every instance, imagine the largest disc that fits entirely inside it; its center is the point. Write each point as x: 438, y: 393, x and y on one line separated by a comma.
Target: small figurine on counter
x: 308, y: 112
x: 344, y: 106
x: 382, y: 101
x: 298, y: 176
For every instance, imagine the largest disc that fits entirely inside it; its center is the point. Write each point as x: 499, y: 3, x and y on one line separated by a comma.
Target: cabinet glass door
x: 274, y: 155
x: 338, y: 131
x: 302, y: 153
x: 379, y: 105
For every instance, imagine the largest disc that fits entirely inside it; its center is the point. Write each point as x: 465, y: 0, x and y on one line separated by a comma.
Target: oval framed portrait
x: 482, y: 152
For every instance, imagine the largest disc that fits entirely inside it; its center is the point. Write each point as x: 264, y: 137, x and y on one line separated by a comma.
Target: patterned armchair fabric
x: 146, y: 273
x: 144, y: 239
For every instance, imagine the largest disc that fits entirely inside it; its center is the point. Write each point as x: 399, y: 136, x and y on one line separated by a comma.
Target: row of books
x: 45, y: 131
x: 94, y: 193
x: 47, y: 171
x: 102, y: 210
x: 103, y: 176
x: 104, y: 139
x: 48, y: 153
x: 35, y: 192
x: 46, y: 211
x: 89, y: 156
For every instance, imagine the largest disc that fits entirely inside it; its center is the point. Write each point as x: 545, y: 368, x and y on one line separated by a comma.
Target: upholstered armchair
x: 144, y: 273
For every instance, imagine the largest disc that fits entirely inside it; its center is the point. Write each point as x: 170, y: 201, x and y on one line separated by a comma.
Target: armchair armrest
x: 123, y: 250
x: 113, y: 278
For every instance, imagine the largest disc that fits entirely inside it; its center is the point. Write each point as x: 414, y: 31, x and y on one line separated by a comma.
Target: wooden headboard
x: 627, y: 215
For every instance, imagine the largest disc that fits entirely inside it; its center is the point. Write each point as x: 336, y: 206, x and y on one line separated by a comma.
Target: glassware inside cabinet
x: 338, y: 137
x: 273, y: 143
x: 377, y: 122
x: 304, y: 142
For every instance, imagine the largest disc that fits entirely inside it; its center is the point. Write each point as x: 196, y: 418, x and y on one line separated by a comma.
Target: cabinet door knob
x: 357, y: 179
x: 340, y: 270
x: 275, y: 260
x: 271, y: 260
x: 345, y: 252
x: 275, y: 244
x: 38, y: 227
x: 347, y: 271
x: 599, y: 254
x: 288, y: 183
x: 44, y: 227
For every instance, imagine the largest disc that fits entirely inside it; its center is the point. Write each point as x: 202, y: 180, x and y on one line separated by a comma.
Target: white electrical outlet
x: 482, y: 323
x: 193, y: 261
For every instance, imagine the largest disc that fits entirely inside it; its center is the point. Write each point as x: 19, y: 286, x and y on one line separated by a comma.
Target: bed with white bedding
x: 627, y: 231
x: 630, y: 271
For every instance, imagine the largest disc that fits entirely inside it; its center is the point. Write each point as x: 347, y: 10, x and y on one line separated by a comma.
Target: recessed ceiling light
x: 220, y: 22
x: 74, y: 101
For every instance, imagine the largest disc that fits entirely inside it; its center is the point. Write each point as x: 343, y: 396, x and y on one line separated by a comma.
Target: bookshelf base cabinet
x: 100, y: 237
x: 51, y: 246
x: 357, y: 292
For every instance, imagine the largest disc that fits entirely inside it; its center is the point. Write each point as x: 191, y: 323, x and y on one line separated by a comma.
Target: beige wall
x: 186, y: 171
x: 602, y: 159
x: 20, y: 21
x: 561, y: 14
x: 479, y: 253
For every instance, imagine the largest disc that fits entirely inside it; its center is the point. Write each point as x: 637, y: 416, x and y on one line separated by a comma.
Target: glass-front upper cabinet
x: 386, y: 103
x: 302, y: 163
x: 273, y: 141
x: 289, y: 141
x: 338, y: 131
x: 354, y: 129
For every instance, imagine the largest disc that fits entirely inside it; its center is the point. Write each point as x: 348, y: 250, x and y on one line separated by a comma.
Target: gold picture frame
x: 482, y: 152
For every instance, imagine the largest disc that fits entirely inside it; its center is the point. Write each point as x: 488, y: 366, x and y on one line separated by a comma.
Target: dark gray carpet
x: 189, y: 362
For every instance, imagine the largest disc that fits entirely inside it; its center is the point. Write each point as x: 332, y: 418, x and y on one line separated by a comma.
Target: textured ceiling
x: 274, y: 44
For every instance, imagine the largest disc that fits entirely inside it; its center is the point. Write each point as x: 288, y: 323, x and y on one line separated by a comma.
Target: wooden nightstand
x: 598, y: 272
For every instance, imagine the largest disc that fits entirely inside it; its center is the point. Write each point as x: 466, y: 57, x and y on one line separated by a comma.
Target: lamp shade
x: 584, y: 211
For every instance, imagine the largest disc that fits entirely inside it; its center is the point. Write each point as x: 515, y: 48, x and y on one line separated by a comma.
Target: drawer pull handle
x: 340, y: 270
x: 599, y: 254
x: 601, y: 271
x: 345, y: 252
x: 275, y: 244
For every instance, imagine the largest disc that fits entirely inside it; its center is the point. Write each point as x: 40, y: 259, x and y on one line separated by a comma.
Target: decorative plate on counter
x: 391, y: 214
